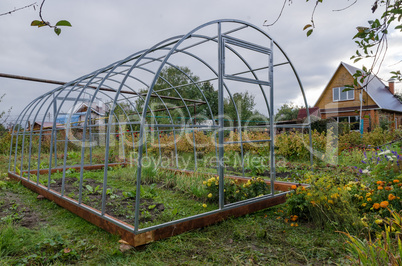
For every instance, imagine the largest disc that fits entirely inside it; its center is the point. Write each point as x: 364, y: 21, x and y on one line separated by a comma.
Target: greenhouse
x: 157, y: 143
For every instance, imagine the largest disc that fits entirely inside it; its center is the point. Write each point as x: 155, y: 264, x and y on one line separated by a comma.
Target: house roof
x: 48, y: 125
x: 376, y: 89
x: 313, y: 111
x: 84, y: 106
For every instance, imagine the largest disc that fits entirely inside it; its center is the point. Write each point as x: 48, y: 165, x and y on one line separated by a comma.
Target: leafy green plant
x: 91, y: 189
x: 235, y: 190
x: 109, y: 191
x: 385, y: 250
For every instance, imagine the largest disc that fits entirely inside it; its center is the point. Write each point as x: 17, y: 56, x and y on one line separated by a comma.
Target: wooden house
x: 373, y: 100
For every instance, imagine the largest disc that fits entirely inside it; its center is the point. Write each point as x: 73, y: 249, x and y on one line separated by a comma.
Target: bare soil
x: 117, y: 205
x: 13, y: 209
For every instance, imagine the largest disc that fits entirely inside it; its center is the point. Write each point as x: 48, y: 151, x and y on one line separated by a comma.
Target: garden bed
x: 166, y: 212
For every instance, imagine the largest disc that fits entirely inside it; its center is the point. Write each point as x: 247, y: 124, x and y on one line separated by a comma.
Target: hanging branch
x: 18, y: 9
x: 280, y: 15
x: 42, y: 22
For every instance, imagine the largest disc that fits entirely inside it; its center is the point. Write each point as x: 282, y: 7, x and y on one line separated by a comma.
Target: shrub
x: 327, y: 201
x: 236, y: 190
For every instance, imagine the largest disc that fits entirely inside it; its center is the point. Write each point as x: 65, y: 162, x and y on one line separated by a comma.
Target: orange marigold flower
x: 396, y: 181
x: 391, y: 197
x: 380, y: 188
x: 388, y: 188
x: 376, y: 206
x: 293, y: 187
x: 384, y: 204
x: 379, y: 182
x: 294, y: 218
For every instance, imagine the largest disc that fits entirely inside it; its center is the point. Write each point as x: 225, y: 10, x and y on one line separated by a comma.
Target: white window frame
x: 340, y: 91
x: 355, y: 116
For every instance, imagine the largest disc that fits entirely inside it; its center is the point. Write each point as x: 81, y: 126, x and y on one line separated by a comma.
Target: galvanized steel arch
x: 129, y: 76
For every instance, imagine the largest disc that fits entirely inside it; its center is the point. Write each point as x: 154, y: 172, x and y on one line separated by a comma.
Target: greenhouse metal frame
x: 225, y: 50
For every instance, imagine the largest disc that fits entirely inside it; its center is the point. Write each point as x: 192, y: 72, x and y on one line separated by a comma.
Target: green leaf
x: 38, y: 23
x: 89, y: 188
x: 309, y: 32
x: 57, y: 31
x: 63, y: 23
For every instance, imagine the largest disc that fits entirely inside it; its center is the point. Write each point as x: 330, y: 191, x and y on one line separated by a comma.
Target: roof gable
x: 375, y: 89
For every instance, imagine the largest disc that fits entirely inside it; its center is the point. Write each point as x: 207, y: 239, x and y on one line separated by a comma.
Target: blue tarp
x: 62, y: 119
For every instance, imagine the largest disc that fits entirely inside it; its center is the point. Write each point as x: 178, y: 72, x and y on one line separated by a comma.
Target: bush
x: 236, y: 190
x: 326, y: 202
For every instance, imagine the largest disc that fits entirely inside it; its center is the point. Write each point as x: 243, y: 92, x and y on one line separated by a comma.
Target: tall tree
x: 245, y: 104
x: 287, y: 112
x: 181, y: 84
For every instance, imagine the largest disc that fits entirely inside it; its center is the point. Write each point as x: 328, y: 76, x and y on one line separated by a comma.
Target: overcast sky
x: 106, y: 31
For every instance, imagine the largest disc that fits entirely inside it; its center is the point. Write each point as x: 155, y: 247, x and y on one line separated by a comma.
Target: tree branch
x: 18, y: 9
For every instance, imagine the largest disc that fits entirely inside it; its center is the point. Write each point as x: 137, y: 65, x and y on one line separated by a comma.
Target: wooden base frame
x: 126, y: 231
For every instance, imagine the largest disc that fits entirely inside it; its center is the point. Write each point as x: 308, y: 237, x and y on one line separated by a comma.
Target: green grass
x: 256, y: 239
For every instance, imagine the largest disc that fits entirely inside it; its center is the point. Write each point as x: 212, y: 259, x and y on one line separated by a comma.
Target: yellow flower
x: 388, y: 188
x: 369, y: 199
x: 204, y: 205
x: 364, y: 204
x: 204, y: 182
x: 293, y: 187
x: 209, y: 184
x: 376, y: 206
x: 331, y: 201
x: 378, y: 221
x: 210, y: 195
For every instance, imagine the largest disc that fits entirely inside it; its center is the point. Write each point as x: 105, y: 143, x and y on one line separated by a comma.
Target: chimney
x: 391, y: 87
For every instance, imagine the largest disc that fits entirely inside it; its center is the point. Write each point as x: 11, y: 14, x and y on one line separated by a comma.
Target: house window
x: 340, y: 95
x: 354, y: 121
